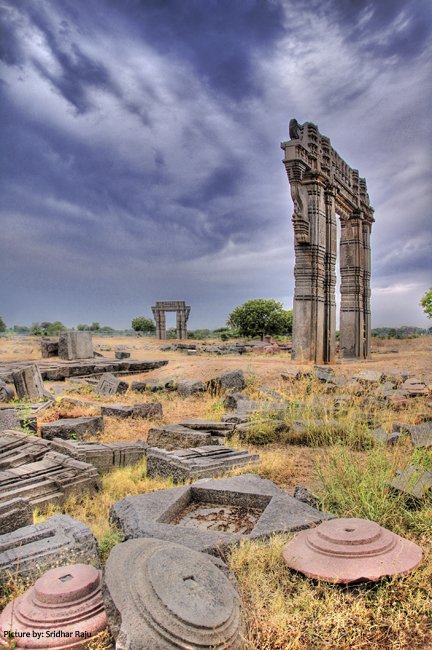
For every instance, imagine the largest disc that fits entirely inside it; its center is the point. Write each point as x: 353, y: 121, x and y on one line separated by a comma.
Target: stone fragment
x: 198, y: 462
x: 121, y: 354
x: 385, y: 438
x: 174, y: 598
x: 351, y: 550
x: 103, y: 455
x: 49, y: 480
x: 325, y: 374
x: 421, y: 434
x: 72, y: 427
x: 233, y: 380
x: 212, y: 514
x: 292, y: 373
x: 14, y: 514
x: 109, y: 385
x: 175, y: 436
x: 57, y: 541
x: 28, y: 383
x: 65, y: 606
x: 413, y: 481
x: 49, y: 348
x: 145, y: 410
x: 154, y: 385
x: 75, y: 345
x: 303, y: 494
x: 414, y: 387
x: 369, y: 377
x: 7, y: 393
x: 188, y: 387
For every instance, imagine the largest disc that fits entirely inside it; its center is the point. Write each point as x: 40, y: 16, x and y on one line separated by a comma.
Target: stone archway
x: 322, y: 183
x: 182, y: 314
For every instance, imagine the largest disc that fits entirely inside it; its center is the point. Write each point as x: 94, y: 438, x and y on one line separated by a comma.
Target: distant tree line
x: 404, y: 332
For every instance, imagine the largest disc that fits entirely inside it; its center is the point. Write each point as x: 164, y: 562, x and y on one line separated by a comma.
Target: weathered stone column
x: 160, y: 324
x: 367, y: 227
x: 330, y: 277
x: 352, y: 317
x: 309, y: 273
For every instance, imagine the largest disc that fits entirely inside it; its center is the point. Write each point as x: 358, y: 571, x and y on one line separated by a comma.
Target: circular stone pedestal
x: 351, y: 550
x: 173, y: 597
x: 62, y: 610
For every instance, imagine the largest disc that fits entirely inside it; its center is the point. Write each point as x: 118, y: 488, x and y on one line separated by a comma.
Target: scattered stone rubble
x: 75, y: 345
x: 14, y: 514
x: 109, y: 385
x: 212, y: 514
x: 28, y: 383
x: 177, y: 604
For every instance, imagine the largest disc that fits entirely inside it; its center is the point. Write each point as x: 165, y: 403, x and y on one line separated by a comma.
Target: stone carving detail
x: 323, y: 185
x: 182, y: 314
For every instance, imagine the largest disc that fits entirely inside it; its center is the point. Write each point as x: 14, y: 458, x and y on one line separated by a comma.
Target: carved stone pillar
x: 181, y: 324
x: 367, y: 227
x: 310, y: 229
x: 329, y: 332
x: 352, y: 268
x: 160, y: 324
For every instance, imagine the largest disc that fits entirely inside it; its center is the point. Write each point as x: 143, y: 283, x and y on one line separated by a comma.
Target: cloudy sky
x: 141, y: 158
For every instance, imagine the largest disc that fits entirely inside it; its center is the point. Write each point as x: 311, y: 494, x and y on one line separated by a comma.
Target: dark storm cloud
x: 141, y: 156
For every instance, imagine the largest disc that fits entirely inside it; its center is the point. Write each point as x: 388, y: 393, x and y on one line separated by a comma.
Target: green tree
x: 426, y: 303
x: 2, y: 325
x: 143, y: 324
x: 95, y: 326
x: 261, y: 316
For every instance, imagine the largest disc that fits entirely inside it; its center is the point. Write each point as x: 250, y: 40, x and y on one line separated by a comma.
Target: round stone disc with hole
x: 351, y: 550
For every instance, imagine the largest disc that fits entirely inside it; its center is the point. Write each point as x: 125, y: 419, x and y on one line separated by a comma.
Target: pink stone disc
x: 62, y: 610
x: 351, y: 550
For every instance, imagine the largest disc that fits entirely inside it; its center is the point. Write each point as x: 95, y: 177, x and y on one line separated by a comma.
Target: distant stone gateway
x: 182, y: 314
x: 323, y: 185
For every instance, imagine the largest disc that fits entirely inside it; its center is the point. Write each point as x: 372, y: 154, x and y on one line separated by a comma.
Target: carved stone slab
x: 70, y: 427
x: 14, y: 514
x: 174, y: 598
x: 28, y: 383
x: 110, y: 385
x: 145, y: 410
x: 212, y: 514
x: 56, y: 371
x: 175, y: 436
x: 104, y: 456
x: 351, y: 550
x: 49, y: 480
x: 75, y: 345
x: 63, y: 609
x: 57, y: 541
x: 18, y: 448
x: 199, y: 462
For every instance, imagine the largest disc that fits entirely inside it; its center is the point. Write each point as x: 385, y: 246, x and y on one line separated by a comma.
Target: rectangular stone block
x: 144, y: 410
x: 14, y: 514
x: 28, y: 383
x: 110, y: 385
x: 49, y: 480
x: 174, y: 436
x: 72, y: 427
x: 30, y: 551
x: 75, y: 345
x: 121, y: 354
x: 104, y: 456
x: 199, y: 462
